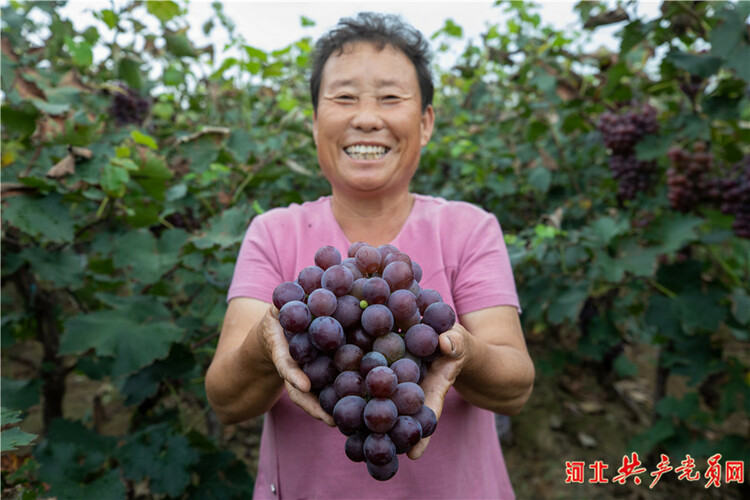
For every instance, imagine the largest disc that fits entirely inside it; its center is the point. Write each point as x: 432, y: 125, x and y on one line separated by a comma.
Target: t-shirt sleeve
x: 258, y: 269
x: 484, y: 277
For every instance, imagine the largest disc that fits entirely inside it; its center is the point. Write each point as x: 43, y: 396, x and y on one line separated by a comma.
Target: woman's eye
x: 344, y: 97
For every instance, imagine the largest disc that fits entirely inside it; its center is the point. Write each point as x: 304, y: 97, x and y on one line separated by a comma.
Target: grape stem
x: 664, y: 290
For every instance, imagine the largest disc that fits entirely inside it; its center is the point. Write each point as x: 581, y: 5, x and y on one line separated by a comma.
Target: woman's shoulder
x: 294, y: 211
x: 450, y: 210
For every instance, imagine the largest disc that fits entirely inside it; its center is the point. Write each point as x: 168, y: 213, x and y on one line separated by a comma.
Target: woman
x: 372, y: 91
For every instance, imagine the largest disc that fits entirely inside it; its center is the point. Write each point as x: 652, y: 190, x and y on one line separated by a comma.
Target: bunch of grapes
x: 689, y: 179
x: 735, y: 198
x: 128, y: 106
x: 365, y: 332
x: 621, y: 133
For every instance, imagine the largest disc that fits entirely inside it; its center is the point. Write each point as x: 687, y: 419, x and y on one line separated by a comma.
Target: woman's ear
x: 427, y: 124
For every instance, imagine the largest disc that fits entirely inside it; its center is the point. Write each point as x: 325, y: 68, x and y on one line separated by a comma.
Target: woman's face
x: 369, y: 128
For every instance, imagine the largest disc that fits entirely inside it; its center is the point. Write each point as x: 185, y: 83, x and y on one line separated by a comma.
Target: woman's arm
x: 252, y: 365
x: 486, y: 360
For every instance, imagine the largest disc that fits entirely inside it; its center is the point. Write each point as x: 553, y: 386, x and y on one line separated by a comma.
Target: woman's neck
x: 376, y: 220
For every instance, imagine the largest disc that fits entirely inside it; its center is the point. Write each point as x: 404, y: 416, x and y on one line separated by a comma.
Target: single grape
x: 439, y: 316
x: 406, y: 370
x: 415, y: 288
x: 403, y: 305
x: 385, y: 250
x: 398, y: 274
x: 376, y: 291
x: 427, y: 420
x: 348, y: 357
x: 369, y: 361
x: 390, y: 345
x: 408, y: 398
x: 337, y: 279
x: 309, y: 278
x: 380, y: 414
x: 354, y: 247
x: 354, y: 447
x: 294, y: 316
x: 406, y: 432
x: 396, y: 256
x: 351, y: 265
x: 327, y: 256
x: 356, y: 290
x: 421, y: 340
x: 404, y: 325
x: 417, y: 270
x: 426, y: 297
x: 348, y: 414
x: 301, y: 349
x: 287, y: 292
x: 377, y: 320
x: 348, y: 312
x: 328, y: 399
x: 360, y: 338
x: 380, y: 382
x: 368, y: 259
x: 321, y: 371
x: 322, y: 302
x: 383, y: 472
x: 326, y: 334
x: 379, y: 449
x: 349, y: 383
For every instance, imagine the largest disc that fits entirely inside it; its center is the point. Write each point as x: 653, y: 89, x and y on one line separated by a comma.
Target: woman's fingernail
x: 453, y: 347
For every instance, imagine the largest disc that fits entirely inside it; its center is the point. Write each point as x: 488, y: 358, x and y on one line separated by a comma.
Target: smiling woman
x: 372, y: 97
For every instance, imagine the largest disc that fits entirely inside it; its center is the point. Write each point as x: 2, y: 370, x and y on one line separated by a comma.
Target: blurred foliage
x: 128, y: 180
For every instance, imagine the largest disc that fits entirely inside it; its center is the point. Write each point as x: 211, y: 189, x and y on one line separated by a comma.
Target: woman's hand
x: 454, y: 346
x: 272, y: 339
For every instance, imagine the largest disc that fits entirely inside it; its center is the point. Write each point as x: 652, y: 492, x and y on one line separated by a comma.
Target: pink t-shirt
x: 462, y: 253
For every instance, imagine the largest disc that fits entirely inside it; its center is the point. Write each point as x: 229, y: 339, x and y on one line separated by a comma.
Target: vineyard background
x: 127, y: 184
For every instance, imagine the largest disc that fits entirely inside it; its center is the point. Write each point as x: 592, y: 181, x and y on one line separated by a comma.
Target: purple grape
x: 417, y: 270
x: 381, y: 381
x: 349, y: 383
x: 398, y: 274
x: 403, y: 305
x: 369, y: 361
x: 415, y: 288
x: 421, y: 340
x: 348, y: 312
x: 328, y: 399
x: 360, y: 338
x: 368, y: 259
x: 354, y: 447
x: 348, y: 414
x: 326, y: 334
x: 385, y: 250
x: 439, y: 316
x: 406, y: 370
x: 427, y: 419
x: 322, y: 302
x: 309, y: 278
x: 348, y: 357
x: 383, y: 472
x: 301, y: 349
x: 379, y: 449
x: 406, y: 432
x: 327, y: 256
x: 394, y: 257
x: 287, y: 292
x: 376, y: 291
x: 380, y: 414
x: 351, y: 265
x: 356, y: 290
x: 408, y: 398
x: 320, y: 371
x: 377, y: 320
x: 390, y: 345
x: 294, y: 316
x: 337, y: 279
x: 426, y: 297
x: 354, y: 247
x: 404, y: 325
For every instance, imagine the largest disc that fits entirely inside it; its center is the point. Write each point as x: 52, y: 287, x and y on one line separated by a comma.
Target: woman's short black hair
x: 380, y: 30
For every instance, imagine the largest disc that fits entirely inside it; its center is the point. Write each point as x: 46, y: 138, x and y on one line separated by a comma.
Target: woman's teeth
x: 361, y: 152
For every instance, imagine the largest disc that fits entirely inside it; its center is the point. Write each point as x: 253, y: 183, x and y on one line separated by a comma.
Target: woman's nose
x: 367, y: 116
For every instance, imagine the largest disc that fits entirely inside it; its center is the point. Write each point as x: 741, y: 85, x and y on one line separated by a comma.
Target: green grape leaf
x: 145, y: 257
x: 225, y: 229
x: 133, y: 344
x: 164, y: 10
x: 20, y: 394
x: 45, y: 218
x: 129, y: 71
